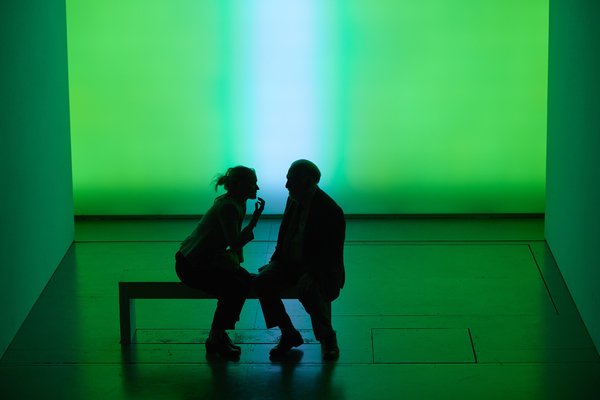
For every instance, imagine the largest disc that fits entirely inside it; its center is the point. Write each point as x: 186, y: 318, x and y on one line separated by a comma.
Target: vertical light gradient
x: 283, y: 94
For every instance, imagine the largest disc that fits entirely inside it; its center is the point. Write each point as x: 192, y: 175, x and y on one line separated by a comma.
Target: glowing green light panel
x: 407, y: 106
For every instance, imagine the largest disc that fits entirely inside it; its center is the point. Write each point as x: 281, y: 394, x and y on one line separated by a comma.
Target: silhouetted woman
x: 209, y: 259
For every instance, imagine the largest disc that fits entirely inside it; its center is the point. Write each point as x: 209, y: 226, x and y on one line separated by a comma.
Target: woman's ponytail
x: 232, y: 177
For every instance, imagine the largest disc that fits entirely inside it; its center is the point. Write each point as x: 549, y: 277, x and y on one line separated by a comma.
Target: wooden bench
x: 160, y: 284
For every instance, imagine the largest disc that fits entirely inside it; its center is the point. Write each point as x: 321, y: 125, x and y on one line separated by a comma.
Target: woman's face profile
x: 249, y: 188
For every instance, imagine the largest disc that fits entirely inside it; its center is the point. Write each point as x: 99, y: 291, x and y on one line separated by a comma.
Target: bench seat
x: 160, y: 284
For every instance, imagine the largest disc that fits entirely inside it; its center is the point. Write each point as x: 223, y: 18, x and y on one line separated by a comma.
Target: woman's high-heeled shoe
x: 222, y: 348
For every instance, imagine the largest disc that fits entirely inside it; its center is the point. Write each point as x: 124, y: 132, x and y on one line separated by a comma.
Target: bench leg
x: 127, y: 319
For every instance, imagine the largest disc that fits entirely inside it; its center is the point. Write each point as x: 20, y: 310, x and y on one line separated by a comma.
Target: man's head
x: 302, y: 179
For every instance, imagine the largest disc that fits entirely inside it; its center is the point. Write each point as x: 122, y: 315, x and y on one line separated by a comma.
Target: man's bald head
x: 302, y: 179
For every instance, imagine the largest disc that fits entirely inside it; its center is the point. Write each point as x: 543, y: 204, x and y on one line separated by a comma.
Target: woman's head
x: 239, y: 181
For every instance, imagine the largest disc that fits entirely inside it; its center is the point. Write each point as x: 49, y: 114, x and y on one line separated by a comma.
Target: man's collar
x: 309, y: 199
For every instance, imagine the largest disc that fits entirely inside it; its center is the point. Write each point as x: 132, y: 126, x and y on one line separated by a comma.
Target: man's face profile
x: 298, y: 185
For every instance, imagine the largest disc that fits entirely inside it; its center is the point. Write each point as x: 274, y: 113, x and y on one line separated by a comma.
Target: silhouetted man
x: 309, y: 253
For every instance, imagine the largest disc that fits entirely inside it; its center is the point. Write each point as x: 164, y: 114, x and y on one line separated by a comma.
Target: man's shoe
x: 222, y: 349
x: 329, y: 348
x: 227, y: 340
x: 286, y: 342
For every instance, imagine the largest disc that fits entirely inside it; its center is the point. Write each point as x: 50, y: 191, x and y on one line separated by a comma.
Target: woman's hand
x: 259, y: 207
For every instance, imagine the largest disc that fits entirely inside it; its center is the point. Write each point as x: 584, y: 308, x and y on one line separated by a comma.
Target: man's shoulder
x: 325, y: 201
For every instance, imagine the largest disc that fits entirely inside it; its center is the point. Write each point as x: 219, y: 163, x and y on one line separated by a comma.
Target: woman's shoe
x: 222, y: 348
x: 227, y: 340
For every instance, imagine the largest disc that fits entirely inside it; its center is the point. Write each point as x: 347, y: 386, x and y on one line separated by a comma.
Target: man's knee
x: 312, y: 298
x: 268, y: 278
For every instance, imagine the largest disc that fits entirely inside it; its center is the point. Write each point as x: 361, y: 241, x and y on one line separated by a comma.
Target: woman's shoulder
x: 225, y: 199
x: 226, y: 204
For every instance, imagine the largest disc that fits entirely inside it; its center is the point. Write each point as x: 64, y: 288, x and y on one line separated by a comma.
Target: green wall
x: 573, y: 170
x: 435, y: 106
x: 36, y: 202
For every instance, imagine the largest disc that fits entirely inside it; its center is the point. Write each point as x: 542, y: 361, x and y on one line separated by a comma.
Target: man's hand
x: 263, y: 267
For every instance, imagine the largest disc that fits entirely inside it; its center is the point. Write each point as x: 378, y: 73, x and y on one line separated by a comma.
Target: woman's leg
x: 231, y: 290
x: 229, y: 287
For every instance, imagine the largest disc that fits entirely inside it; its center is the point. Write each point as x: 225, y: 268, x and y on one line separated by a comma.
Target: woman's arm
x: 229, y: 217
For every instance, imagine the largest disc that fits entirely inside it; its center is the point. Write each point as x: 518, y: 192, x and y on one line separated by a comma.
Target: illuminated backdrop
x: 407, y: 106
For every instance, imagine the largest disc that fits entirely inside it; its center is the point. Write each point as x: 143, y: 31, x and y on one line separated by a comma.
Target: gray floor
x: 471, y: 308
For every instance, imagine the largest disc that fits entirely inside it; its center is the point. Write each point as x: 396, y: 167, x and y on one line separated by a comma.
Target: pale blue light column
x: 282, y: 95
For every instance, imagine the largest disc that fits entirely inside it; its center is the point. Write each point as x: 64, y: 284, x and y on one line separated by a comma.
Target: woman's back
x: 208, y: 239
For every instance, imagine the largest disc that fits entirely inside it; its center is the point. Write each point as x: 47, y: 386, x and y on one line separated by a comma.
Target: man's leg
x: 319, y: 309
x: 268, y: 285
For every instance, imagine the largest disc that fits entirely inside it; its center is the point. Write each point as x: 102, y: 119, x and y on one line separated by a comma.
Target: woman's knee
x: 259, y: 283
x: 264, y: 283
